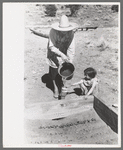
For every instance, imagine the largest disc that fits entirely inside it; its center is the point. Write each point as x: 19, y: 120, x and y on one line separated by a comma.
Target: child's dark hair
x: 90, y: 72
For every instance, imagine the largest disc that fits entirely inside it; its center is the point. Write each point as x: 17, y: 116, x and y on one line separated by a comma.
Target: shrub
x: 74, y: 9
x: 50, y: 10
x: 114, y: 8
x: 98, y: 5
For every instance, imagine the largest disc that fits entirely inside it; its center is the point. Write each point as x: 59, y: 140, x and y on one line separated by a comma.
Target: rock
x: 34, y: 72
x: 96, y: 19
x: 106, y: 18
x: 102, y: 43
x: 99, y: 11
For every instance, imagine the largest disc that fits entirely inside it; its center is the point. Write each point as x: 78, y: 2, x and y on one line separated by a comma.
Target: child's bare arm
x: 77, y: 83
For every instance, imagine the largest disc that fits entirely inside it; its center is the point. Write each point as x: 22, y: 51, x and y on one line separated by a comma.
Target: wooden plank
x: 79, y: 99
x: 64, y: 111
x: 58, y: 109
x: 106, y: 114
x: 86, y: 28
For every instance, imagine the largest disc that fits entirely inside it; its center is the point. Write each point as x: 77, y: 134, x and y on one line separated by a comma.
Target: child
x: 89, y: 82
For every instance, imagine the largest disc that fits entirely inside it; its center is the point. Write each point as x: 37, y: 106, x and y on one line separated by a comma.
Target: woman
x: 60, y: 47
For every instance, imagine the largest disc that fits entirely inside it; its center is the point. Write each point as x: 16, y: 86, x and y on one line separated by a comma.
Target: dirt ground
x: 94, y: 48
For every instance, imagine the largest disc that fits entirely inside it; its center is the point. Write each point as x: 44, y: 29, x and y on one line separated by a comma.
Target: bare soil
x: 94, y: 48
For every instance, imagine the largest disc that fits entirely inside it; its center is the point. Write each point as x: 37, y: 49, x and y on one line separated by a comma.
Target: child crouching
x: 89, y: 83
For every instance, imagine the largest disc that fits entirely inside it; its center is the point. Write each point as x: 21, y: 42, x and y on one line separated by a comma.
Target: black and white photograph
x: 69, y: 75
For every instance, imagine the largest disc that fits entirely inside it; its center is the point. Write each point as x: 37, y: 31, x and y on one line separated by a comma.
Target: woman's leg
x: 56, y: 92
x: 53, y: 73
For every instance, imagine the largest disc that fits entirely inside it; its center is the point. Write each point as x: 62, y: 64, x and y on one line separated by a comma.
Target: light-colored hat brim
x: 57, y: 27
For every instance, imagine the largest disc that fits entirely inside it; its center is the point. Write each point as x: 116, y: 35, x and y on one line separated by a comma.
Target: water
x: 66, y: 72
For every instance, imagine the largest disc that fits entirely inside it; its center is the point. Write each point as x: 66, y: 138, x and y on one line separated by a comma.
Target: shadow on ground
x: 49, y: 83
x: 76, y: 91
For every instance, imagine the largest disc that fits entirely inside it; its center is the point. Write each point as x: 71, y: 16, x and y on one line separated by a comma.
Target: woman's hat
x: 64, y: 24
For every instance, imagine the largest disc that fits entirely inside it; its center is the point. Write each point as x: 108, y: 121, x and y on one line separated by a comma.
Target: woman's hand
x: 64, y: 57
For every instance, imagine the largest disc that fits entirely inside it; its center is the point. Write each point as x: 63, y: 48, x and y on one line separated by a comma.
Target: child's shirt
x: 89, y: 83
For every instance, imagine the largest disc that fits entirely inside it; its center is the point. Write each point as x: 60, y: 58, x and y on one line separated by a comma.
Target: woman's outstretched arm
x: 40, y: 34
